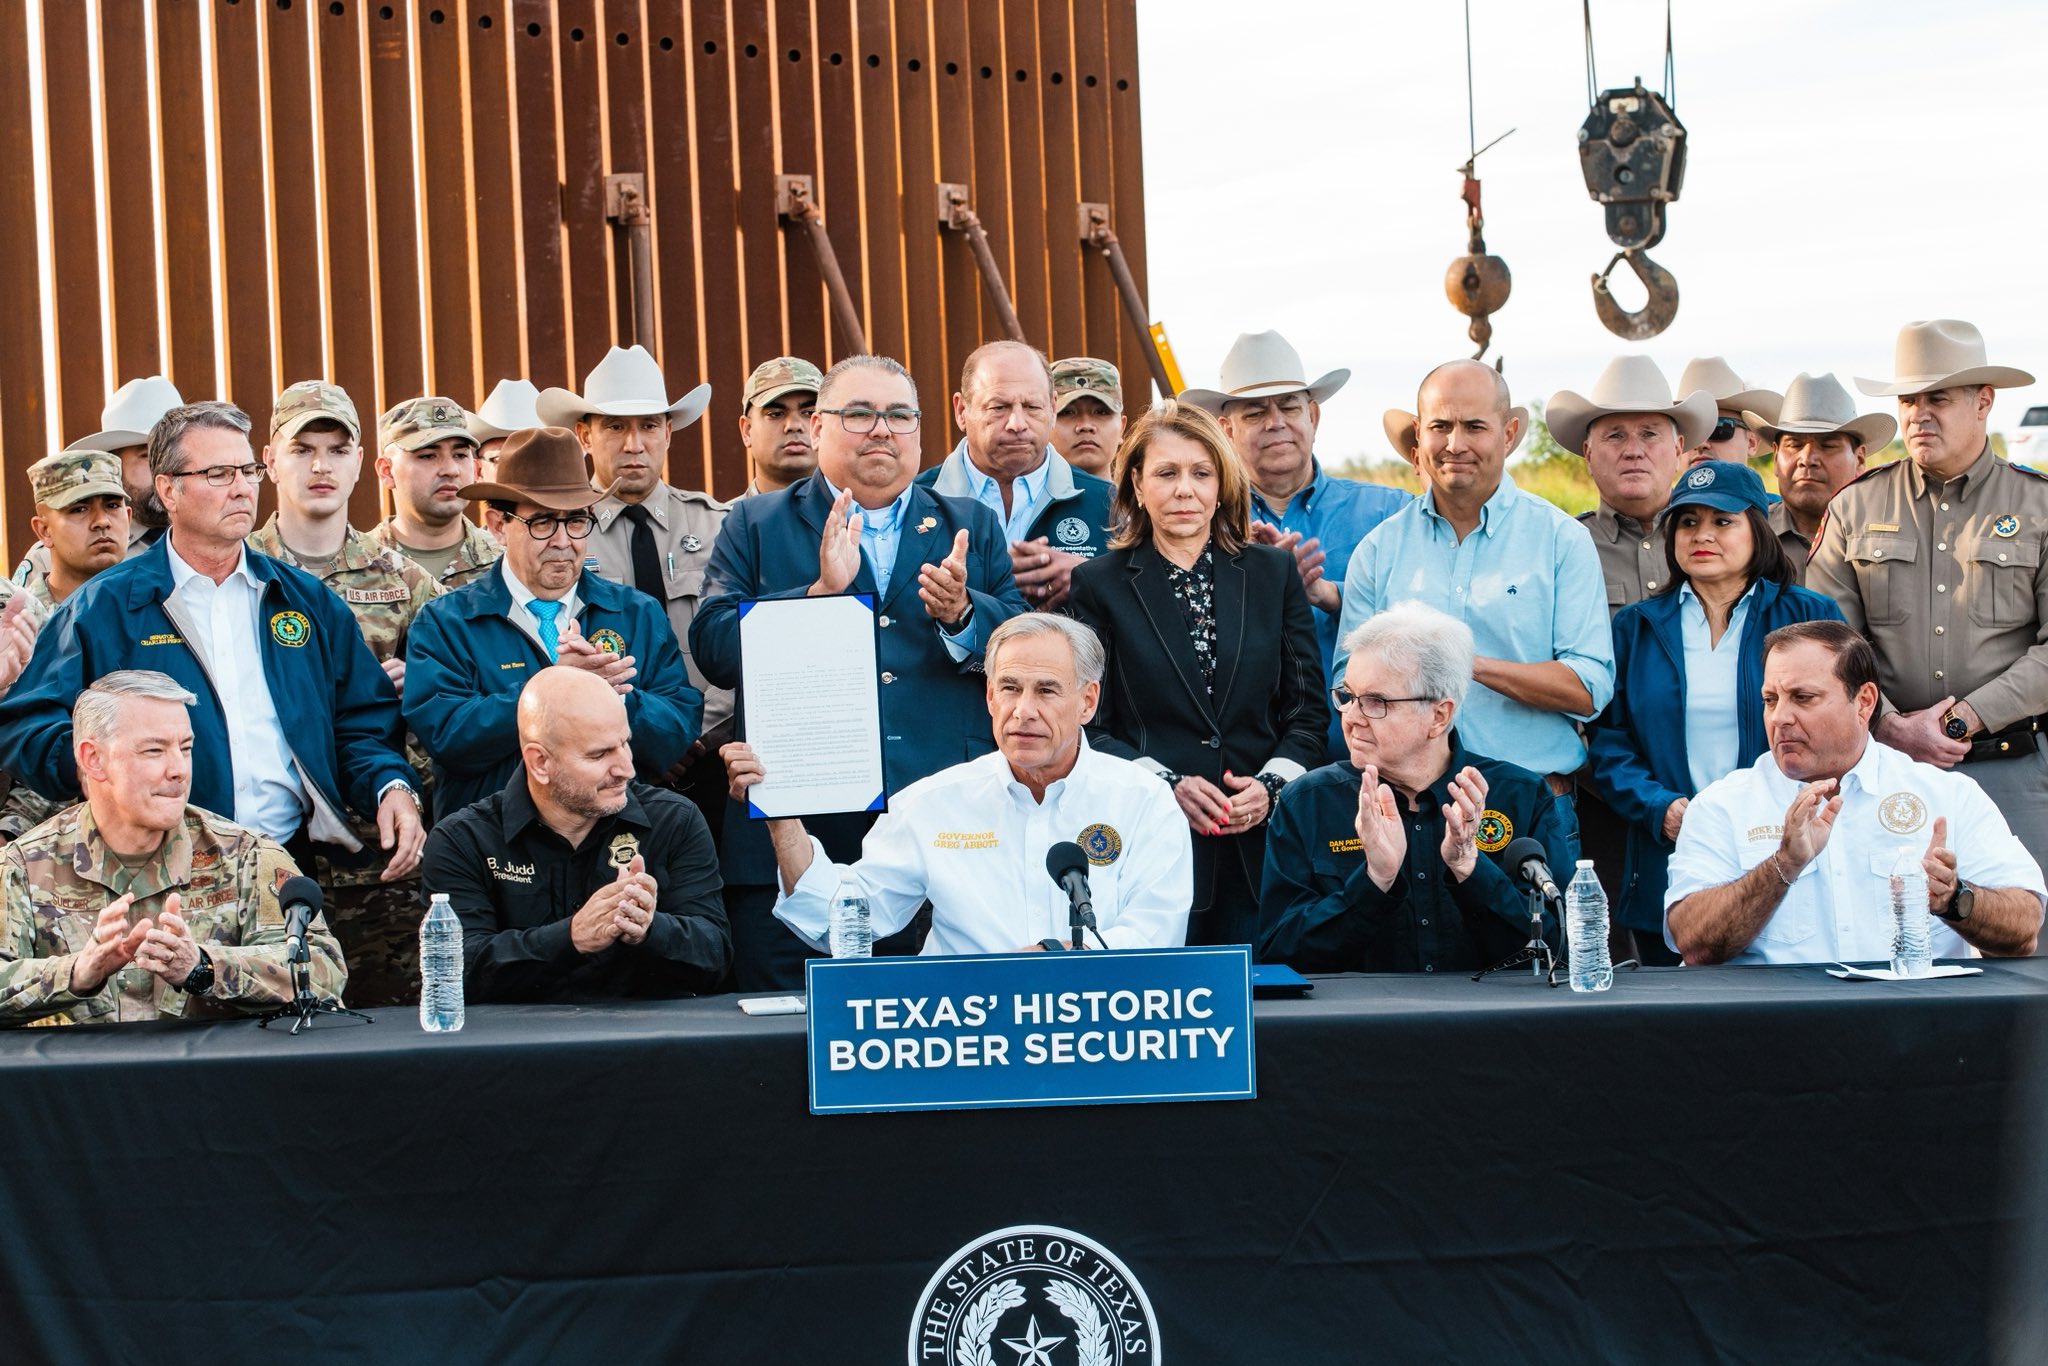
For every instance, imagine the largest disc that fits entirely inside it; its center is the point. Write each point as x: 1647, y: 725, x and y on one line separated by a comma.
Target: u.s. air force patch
x: 624, y: 846
x: 1902, y: 813
x: 608, y: 640
x: 1101, y: 843
x: 1049, y: 1295
x: 290, y: 628
x: 1495, y: 830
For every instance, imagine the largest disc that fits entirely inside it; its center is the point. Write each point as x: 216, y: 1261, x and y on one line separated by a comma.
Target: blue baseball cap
x: 1725, y: 484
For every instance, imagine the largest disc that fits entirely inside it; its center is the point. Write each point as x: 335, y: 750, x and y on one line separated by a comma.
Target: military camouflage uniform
x: 56, y: 879
x: 479, y: 550
x: 58, y: 481
x: 1079, y: 377
x: 377, y: 922
x: 22, y: 807
x: 421, y: 422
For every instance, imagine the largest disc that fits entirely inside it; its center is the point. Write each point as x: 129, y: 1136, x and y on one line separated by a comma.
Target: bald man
x: 576, y: 883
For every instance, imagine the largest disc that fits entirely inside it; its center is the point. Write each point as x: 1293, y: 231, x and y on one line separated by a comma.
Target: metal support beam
x: 625, y: 208
x: 1093, y: 220
x: 956, y: 214
x: 796, y: 202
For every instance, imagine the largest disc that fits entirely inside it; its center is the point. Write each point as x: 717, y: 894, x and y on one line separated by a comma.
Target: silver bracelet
x: 1779, y: 869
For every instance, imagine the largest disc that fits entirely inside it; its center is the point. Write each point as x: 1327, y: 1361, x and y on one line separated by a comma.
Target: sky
x: 1851, y: 167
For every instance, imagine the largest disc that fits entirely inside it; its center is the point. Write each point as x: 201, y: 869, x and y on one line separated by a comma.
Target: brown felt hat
x: 541, y: 465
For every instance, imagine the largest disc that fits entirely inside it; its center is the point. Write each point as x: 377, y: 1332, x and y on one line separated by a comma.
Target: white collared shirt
x: 972, y: 839
x: 270, y: 796
x: 1713, y: 735
x: 521, y: 612
x: 1839, y: 907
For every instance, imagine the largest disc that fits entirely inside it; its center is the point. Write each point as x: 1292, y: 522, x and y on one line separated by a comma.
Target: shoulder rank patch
x: 608, y: 640
x: 290, y: 628
x: 624, y: 846
x: 1101, y: 843
x: 2006, y: 527
x: 1495, y: 830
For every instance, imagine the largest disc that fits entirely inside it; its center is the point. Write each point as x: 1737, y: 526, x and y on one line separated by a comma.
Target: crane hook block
x: 1632, y: 153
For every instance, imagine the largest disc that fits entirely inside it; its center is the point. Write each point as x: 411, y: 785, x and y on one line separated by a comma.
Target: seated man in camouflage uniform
x: 133, y: 905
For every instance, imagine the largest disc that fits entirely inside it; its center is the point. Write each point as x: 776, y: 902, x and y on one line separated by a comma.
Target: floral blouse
x: 1195, y: 590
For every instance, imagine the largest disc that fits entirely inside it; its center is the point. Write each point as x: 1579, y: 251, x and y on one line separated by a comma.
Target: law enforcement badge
x: 290, y: 628
x: 1049, y: 1295
x: 608, y: 640
x: 1101, y: 844
x: 2007, y: 526
x: 1070, y: 531
x: 1699, y: 478
x: 692, y: 544
x: 1902, y: 813
x: 1495, y: 830
x: 624, y: 846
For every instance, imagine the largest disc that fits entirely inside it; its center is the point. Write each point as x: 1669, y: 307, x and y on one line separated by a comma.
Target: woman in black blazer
x: 1214, y: 680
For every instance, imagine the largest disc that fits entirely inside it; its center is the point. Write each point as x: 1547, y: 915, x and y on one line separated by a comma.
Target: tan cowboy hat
x: 1941, y: 355
x: 509, y: 409
x: 541, y: 465
x: 1820, y: 406
x: 1262, y: 365
x: 1402, y: 429
x: 1731, y: 393
x: 134, y: 408
x: 1629, y: 384
x: 626, y: 383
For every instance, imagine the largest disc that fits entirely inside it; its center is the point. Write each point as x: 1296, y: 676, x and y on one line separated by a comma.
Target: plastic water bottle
x: 1912, y: 953
x: 440, y: 968
x: 852, y: 936
x: 1585, y: 915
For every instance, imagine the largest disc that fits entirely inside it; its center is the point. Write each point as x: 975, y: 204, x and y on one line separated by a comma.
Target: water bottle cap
x: 1585, y: 863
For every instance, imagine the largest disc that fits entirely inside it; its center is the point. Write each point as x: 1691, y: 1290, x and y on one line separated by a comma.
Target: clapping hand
x: 1460, y: 849
x: 839, y: 549
x: 1380, y: 836
x: 1939, y: 864
x: 1808, y: 823
x: 943, y: 586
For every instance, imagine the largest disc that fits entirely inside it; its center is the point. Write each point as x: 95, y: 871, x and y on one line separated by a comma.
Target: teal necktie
x: 544, y: 614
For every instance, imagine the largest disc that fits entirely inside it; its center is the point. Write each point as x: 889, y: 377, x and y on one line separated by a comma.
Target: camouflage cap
x: 72, y: 476
x: 311, y: 400
x: 783, y: 375
x: 1086, y: 377
x: 421, y: 422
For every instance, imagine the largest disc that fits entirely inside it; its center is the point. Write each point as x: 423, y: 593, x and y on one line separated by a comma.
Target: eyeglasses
x: 861, y: 421
x: 544, y: 527
x: 1725, y: 429
x: 1370, y: 705
x: 1289, y: 406
x: 220, y: 476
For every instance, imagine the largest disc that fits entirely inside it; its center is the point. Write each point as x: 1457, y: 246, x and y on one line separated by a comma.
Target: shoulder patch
x: 2027, y: 469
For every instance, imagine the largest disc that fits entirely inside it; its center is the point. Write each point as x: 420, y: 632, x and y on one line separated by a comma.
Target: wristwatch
x: 199, y: 981
x: 1953, y: 726
x: 955, y: 627
x: 1960, y: 903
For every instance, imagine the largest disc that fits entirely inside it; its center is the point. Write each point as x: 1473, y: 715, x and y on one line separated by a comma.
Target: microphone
x: 301, y: 898
x: 1529, y: 862
x: 1067, y: 865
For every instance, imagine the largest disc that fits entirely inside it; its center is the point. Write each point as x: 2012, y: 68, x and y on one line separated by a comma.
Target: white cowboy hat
x: 135, y: 407
x: 1401, y: 428
x: 626, y: 383
x: 1261, y: 365
x: 1731, y: 393
x: 510, y: 408
x: 1819, y: 406
x: 1940, y: 355
x: 1629, y: 384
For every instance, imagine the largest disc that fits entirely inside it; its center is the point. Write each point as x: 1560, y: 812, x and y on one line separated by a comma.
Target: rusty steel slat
x: 1097, y: 178
x: 591, y: 325
x: 494, y: 202
x: 761, y: 336
x: 344, y: 200
x: 626, y: 107
x: 956, y: 79
x: 672, y: 203
x: 837, y: 168
x: 1059, y: 93
x: 301, y: 324
x: 716, y: 62
x: 74, y: 298
x: 188, y: 233
x: 444, y: 166
x: 130, y: 189
x: 1127, y: 203
x: 882, y: 216
x: 389, y: 79
x: 796, y: 113
x: 991, y: 183
x: 24, y: 418
x: 1022, y: 84
x: 923, y: 247
x: 540, y: 197
x: 238, y: 117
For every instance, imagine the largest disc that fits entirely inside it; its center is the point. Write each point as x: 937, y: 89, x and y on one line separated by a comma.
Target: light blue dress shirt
x: 1713, y: 744
x: 1027, y: 492
x: 1527, y: 581
x: 881, y: 531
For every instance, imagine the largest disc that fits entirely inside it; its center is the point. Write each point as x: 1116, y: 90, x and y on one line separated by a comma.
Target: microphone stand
x: 305, y: 1005
x: 1537, y: 952
x: 1080, y: 916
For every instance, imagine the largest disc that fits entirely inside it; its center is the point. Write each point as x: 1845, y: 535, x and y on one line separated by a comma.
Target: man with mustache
x: 573, y: 882
x: 1818, y: 441
x: 472, y: 651
x: 775, y: 423
x: 428, y: 455
x: 134, y: 904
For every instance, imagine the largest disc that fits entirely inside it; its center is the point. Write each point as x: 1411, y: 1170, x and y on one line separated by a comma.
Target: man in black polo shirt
x: 1388, y: 861
x: 575, y: 882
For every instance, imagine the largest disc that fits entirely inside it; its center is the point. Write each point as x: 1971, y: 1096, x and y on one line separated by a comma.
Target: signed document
x: 809, y: 675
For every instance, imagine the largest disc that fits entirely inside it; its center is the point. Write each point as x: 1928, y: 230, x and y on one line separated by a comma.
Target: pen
x: 671, y: 564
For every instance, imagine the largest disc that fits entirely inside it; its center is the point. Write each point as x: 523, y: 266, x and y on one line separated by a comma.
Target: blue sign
x: 1007, y: 1029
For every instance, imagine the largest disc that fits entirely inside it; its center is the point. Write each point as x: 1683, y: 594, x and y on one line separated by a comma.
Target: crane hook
x: 1655, y: 315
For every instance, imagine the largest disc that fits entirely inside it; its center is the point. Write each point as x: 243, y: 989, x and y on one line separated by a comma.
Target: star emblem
x: 1031, y: 1349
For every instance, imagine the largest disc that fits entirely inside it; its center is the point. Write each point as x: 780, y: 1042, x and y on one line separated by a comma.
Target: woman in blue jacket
x: 1688, y: 676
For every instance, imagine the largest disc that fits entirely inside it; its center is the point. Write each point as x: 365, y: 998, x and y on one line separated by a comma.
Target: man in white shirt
x: 1814, y: 887
x: 973, y: 838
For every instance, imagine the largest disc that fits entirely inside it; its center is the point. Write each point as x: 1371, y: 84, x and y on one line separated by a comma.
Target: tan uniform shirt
x: 478, y: 551
x: 1798, y: 546
x: 1948, y: 581
x: 685, y: 527
x: 1631, y: 555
